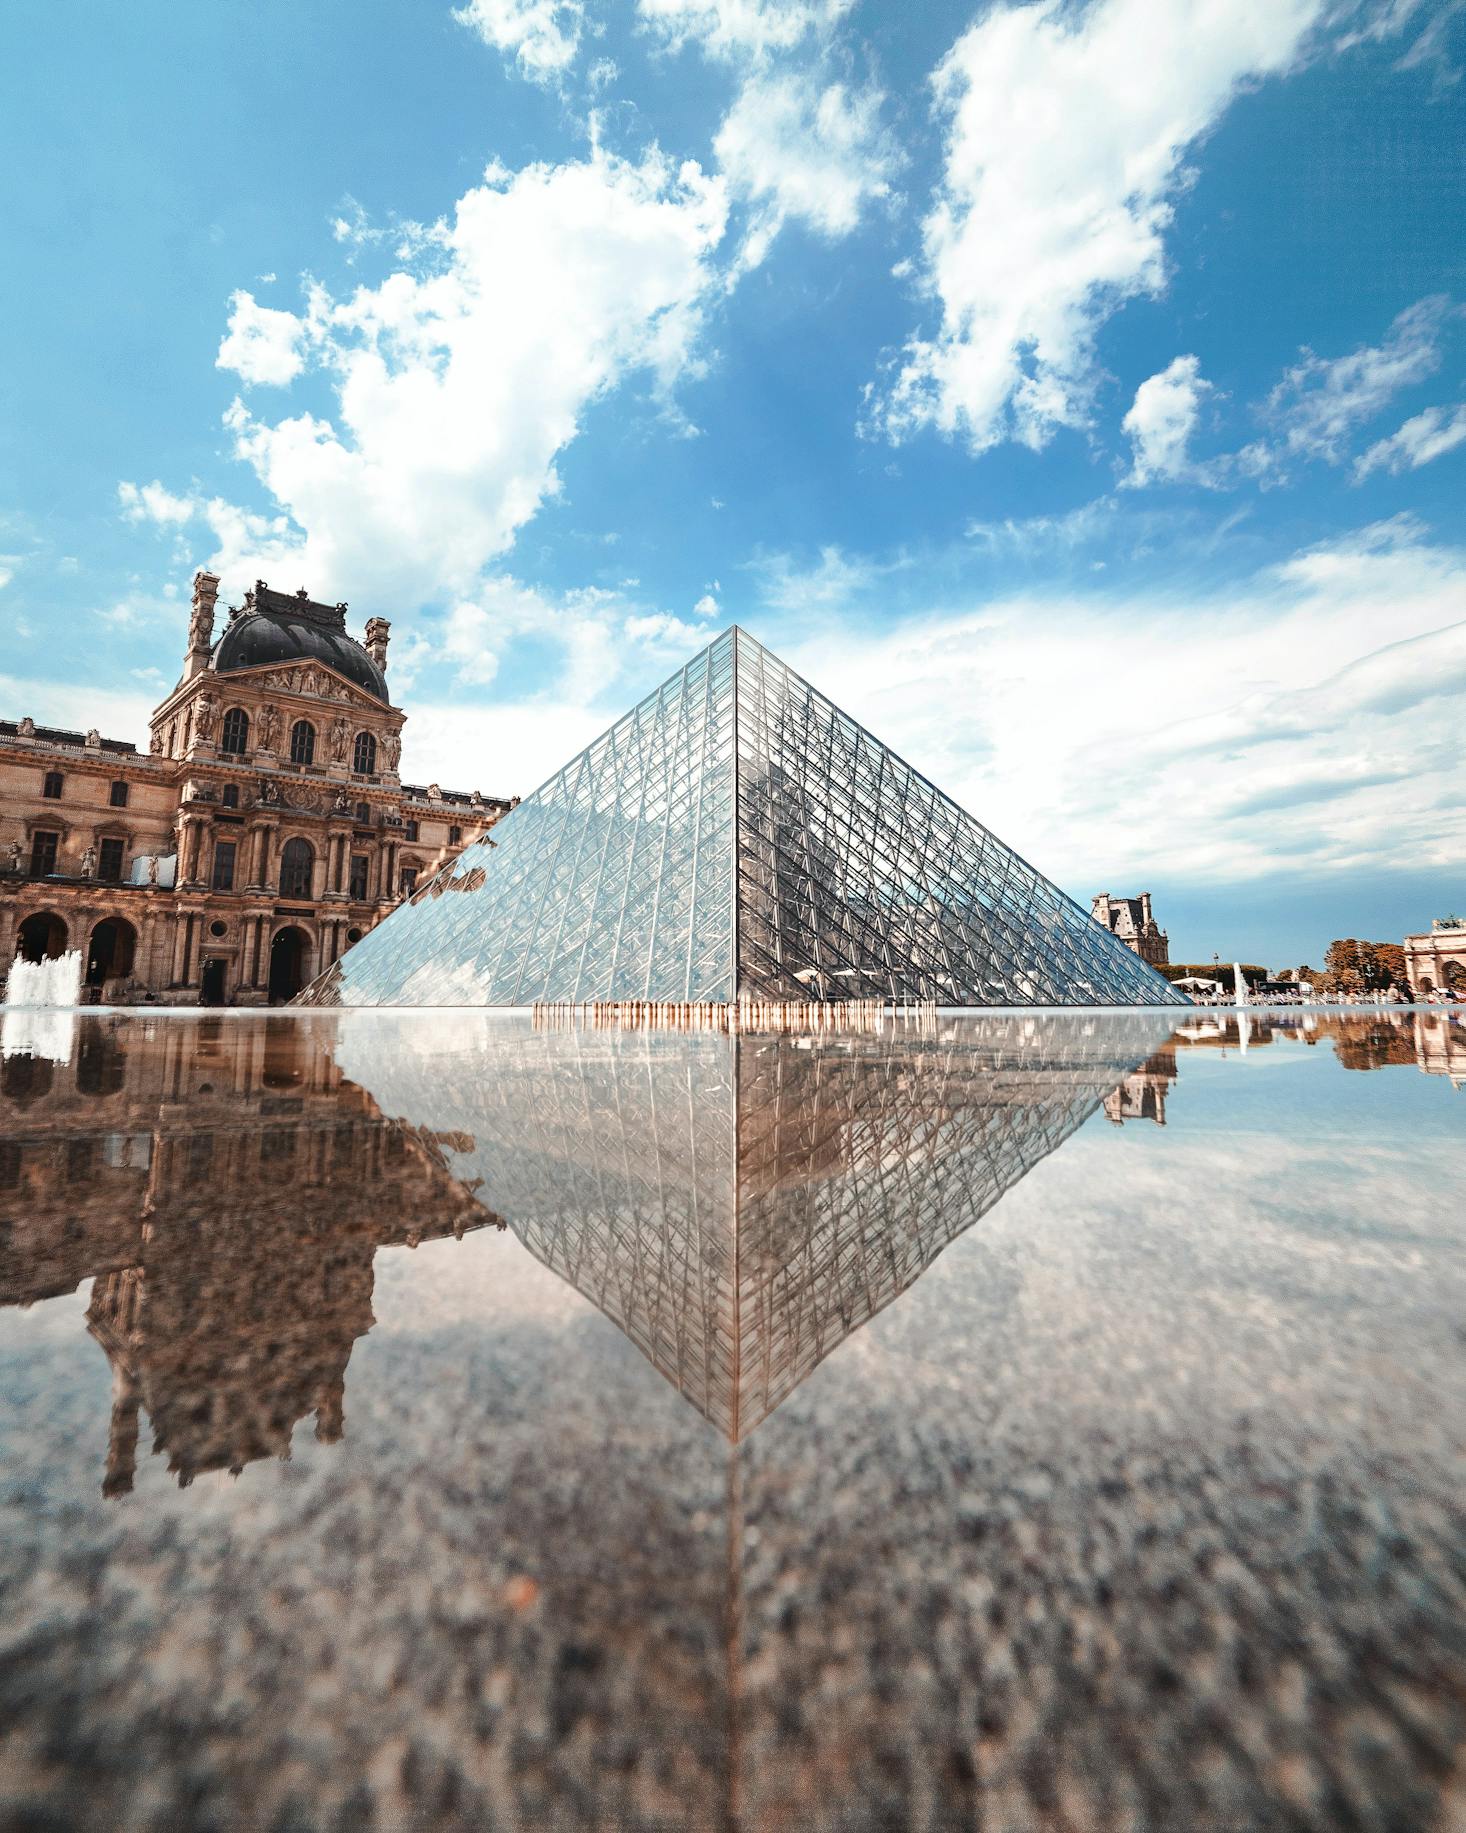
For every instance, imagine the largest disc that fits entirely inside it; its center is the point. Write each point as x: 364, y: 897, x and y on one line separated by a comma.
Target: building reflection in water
x: 226, y: 1191
x: 738, y: 1207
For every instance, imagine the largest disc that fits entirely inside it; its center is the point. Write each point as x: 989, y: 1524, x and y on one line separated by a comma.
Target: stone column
x: 180, y: 935
x: 268, y: 833
x: 191, y: 842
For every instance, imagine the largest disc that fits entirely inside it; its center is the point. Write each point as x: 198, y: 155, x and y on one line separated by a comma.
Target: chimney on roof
x: 1146, y: 919
x: 377, y: 633
x: 201, y: 624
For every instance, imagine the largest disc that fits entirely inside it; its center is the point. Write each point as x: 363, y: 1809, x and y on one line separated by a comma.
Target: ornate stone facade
x: 1131, y: 921
x: 264, y: 831
x: 1436, y: 961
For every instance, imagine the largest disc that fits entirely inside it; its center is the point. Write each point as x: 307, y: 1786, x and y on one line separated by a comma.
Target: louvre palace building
x: 265, y: 829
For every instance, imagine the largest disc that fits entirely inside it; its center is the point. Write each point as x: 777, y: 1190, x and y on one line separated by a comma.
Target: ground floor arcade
x: 147, y: 945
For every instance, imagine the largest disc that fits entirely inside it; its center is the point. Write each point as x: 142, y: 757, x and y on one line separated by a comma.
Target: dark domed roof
x: 278, y: 627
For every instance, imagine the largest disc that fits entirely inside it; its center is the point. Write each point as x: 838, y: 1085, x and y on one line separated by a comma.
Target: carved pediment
x: 313, y: 681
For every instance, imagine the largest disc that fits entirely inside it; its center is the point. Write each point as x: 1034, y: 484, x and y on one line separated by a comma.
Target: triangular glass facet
x: 736, y: 834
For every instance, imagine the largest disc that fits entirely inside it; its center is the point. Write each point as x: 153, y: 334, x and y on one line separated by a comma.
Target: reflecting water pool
x: 430, y: 1419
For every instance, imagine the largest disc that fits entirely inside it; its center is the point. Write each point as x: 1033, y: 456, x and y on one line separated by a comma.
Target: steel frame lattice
x: 738, y: 1206
x: 737, y: 835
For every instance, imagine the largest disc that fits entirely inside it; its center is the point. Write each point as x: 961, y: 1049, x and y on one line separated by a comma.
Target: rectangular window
x: 109, y: 866
x: 412, y: 830
x: 51, y: 788
x: 224, y: 851
x: 43, y: 854
x: 409, y: 879
x: 455, y: 835
x: 359, y: 865
x: 119, y: 795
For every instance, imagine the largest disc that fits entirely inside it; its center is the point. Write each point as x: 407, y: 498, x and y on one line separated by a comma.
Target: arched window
x: 302, y: 742
x: 297, y: 862
x: 364, y: 756
x: 236, y: 732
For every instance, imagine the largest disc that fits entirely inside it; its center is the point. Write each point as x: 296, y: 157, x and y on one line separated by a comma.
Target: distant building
x: 1437, y: 960
x: 262, y: 833
x: 1440, y: 1047
x: 1130, y: 920
x: 1142, y: 1095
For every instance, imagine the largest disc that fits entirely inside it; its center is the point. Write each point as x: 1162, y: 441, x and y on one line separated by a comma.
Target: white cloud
x: 706, y: 606
x: 542, y: 36
x: 153, y: 503
x: 798, y: 147
x: 1423, y: 437
x: 506, y: 753
x: 659, y: 630
x: 133, y: 611
x: 1161, y: 421
x: 1320, y: 402
x: 460, y: 377
x: 1064, y: 156
x: 832, y: 585
x: 7, y: 569
x: 262, y: 345
x: 740, y: 28
x: 468, y: 644
x: 77, y: 706
x: 1233, y: 735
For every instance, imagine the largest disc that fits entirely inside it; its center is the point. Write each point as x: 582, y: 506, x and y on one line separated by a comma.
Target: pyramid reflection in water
x: 736, y: 835
x: 739, y: 1206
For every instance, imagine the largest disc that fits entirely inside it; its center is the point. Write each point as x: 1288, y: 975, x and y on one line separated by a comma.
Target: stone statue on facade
x: 392, y: 750
x: 153, y: 869
x: 155, y: 744
x: 94, y: 739
x: 27, y: 727
x: 343, y: 802
x: 307, y: 683
x: 12, y: 858
x: 89, y: 862
x: 269, y: 727
x: 205, y: 710
x: 340, y: 732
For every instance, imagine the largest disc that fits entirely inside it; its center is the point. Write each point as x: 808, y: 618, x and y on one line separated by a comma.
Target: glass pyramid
x: 737, y: 835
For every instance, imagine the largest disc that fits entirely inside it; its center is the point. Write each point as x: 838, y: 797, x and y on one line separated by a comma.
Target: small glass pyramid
x: 737, y: 835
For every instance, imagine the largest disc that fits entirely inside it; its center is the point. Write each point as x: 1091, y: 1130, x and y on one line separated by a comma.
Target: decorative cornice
x: 328, y: 686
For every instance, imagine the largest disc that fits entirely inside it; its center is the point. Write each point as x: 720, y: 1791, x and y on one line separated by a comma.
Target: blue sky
x: 1075, y: 393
